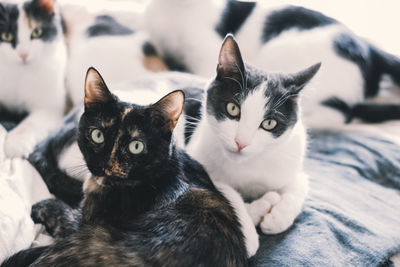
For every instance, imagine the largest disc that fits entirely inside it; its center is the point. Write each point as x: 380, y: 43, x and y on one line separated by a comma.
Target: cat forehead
x: 267, y: 86
x: 130, y: 116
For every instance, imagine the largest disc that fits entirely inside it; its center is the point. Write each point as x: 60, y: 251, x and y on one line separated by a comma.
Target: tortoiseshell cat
x: 148, y: 203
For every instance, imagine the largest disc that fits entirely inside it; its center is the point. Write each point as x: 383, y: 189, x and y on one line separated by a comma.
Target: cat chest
x: 251, y: 180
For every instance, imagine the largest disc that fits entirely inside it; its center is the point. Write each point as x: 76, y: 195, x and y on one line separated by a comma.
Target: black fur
x: 10, y: 119
x: 149, y: 50
x: 9, y: 14
x: 174, y: 64
x: 293, y: 17
x: 59, y: 219
x: 45, y: 159
x: 156, y: 208
x: 234, y: 16
x: 341, y: 106
x: 24, y: 258
x: 107, y: 25
x: 376, y: 112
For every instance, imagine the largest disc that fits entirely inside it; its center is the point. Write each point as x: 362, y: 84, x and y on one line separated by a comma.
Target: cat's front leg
x: 59, y: 219
x: 22, y: 139
x: 283, y: 213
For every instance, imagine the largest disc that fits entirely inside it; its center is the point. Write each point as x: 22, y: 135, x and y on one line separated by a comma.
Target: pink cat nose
x: 240, y: 145
x: 23, y: 56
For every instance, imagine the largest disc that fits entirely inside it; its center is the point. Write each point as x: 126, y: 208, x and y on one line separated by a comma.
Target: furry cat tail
x: 373, y: 113
x: 24, y: 258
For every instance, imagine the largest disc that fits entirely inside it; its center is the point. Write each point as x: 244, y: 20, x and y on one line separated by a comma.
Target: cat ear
x: 96, y: 91
x: 230, y: 60
x: 170, y: 108
x: 296, y: 82
x: 46, y: 5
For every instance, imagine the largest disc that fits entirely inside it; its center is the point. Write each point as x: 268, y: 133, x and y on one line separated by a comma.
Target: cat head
x: 28, y: 30
x: 123, y: 141
x: 248, y: 109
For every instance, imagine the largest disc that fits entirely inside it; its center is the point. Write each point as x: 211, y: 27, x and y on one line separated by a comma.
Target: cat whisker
x: 192, y: 118
x: 194, y: 99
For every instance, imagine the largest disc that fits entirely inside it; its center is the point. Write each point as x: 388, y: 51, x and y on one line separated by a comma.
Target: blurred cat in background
x: 32, y: 68
x: 280, y: 39
x: 115, y: 47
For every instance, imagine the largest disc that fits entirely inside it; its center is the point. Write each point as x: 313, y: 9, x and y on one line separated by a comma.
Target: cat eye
x: 37, y: 33
x: 136, y: 147
x: 7, y: 37
x: 268, y: 125
x: 97, y: 136
x: 232, y: 109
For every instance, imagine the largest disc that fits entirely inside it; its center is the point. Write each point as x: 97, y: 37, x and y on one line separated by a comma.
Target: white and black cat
x: 147, y: 202
x: 251, y: 137
x: 32, y: 68
x: 281, y: 39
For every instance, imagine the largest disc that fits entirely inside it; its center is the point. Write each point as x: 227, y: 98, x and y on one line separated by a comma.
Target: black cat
x: 147, y: 204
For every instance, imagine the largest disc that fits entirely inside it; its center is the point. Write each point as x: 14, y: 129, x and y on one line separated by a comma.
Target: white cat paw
x: 18, y: 145
x: 258, y: 208
x: 277, y: 220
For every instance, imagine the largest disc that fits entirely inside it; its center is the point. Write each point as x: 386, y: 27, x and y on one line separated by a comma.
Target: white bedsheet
x: 20, y: 187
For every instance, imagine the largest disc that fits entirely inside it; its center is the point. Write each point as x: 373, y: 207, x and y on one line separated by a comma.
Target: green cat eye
x: 136, y: 147
x: 97, y: 136
x: 7, y: 37
x: 232, y: 109
x: 37, y: 33
x: 268, y: 125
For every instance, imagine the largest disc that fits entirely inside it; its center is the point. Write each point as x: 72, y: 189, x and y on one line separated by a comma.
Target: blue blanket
x: 352, y: 214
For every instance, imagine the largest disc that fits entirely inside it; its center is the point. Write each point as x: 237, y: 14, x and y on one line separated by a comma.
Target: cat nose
x: 23, y: 56
x: 240, y: 145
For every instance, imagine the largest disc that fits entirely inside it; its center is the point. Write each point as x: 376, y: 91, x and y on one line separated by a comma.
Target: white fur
x: 197, y: 45
x: 185, y: 35
x: 247, y: 226
x: 117, y: 58
x: 265, y: 165
x: 36, y: 86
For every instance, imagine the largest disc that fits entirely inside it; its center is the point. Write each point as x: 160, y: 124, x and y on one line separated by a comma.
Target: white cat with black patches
x: 252, y: 138
x: 281, y: 39
x: 32, y: 62
x: 125, y: 52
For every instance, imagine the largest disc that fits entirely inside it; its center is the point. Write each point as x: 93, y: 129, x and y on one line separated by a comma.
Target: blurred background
x: 375, y: 20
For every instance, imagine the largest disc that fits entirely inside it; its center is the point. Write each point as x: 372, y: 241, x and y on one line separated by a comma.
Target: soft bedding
x: 351, y: 216
x: 20, y: 187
